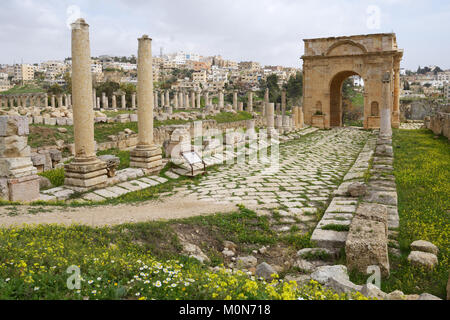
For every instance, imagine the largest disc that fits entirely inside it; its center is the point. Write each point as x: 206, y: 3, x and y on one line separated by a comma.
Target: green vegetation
x: 224, y: 117
x: 46, y: 135
x: 56, y: 176
x: 421, y: 169
x: 136, y: 261
x: 336, y: 227
x: 123, y: 155
x: 28, y: 88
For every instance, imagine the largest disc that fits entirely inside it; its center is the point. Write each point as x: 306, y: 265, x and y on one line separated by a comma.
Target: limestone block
x: 50, y: 121
x: 13, y: 125
x: 424, y: 246
x: 373, y: 212
x: 55, y: 155
x: 366, y: 245
x: 24, y: 188
x: 60, y: 121
x: 38, y: 120
x: 14, y: 147
x: 423, y: 259
x: 16, y: 167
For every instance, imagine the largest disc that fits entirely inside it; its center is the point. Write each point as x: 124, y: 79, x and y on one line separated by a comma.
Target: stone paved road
x: 310, y: 169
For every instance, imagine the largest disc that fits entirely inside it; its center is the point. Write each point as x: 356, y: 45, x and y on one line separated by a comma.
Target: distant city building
x: 447, y: 91
x: 23, y: 72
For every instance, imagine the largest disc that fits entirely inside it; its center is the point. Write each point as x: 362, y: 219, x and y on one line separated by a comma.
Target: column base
x: 148, y: 158
x: 85, y: 174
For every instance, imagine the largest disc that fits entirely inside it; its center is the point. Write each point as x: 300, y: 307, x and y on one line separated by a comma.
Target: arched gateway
x: 329, y: 61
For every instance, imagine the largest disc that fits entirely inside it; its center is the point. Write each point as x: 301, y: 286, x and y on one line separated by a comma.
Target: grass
x: 56, y: 176
x: 421, y: 169
x: 123, y: 155
x: 27, y: 88
x: 225, y: 117
x: 136, y: 261
x: 336, y: 227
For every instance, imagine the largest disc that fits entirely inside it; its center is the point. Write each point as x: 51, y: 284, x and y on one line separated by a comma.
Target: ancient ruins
x: 296, y: 162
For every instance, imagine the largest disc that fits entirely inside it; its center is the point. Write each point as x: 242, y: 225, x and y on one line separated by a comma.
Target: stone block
x: 366, y: 245
x: 16, y: 167
x: 55, y: 155
x: 24, y: 189
x: 61, y: 121
x: 423, y: 259
x: 424, y: 246
x: 38, y: 120
x: 14, y: 147
x: 13, y: 125
x: 50, y: 121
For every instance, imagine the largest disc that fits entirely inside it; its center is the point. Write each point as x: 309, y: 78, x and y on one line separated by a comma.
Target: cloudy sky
x: 267, y: 31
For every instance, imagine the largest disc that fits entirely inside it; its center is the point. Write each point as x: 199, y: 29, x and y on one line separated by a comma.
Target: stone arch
x: 335, y: 86
x: 327, y: 62
x: 344, y: 45
x: 375, y: 109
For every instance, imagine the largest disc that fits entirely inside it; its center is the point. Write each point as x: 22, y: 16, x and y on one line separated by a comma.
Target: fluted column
x: 250, y: 102
x: 146, y: 155
x: 85, y: 171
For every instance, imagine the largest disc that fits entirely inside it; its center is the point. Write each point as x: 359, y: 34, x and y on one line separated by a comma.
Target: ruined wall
x: 439, y: 124
x: 419, y: 109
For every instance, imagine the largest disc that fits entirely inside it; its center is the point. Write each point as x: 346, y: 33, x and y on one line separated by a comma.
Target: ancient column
x: 146, y: 155
x: 199, y: 99
x: 70, y: 101
x: 133, y: 100
x: 186, y: 101
x: 385, y: 115
x: 114, y: 101
x: 295, y: 116
x: 221, y: 100
x: 235, y: 100
x: 241, y: 106
x: 163, y: 102
x: 103, y: 100
x: 156, y: 94
x: 167, y: 98
x: 396, y: 102
x: 60, y: 101
x: 206, y: 98
x: 180, y: 99
x: 301, y: 118
x: 123, y: 104
x: 250, y: 102
x: 270, y: 120
x: 193, y: 99
x: 98, y: 103
x: 53, y: 101
x: 175, y: 100
x: 86, y: 171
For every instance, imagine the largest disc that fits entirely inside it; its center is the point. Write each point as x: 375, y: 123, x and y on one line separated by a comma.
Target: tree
x: 108, y: 87
x: 55, y: 89
x: 294, y: 88
x: 274, y: 89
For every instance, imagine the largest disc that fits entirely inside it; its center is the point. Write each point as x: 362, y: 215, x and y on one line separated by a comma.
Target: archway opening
x: 346, y: 99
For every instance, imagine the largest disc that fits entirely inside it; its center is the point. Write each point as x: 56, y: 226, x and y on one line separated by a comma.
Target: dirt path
x: 174, y: 207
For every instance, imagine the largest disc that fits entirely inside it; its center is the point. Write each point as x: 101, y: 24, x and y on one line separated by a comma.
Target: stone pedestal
x: 18, y: 179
